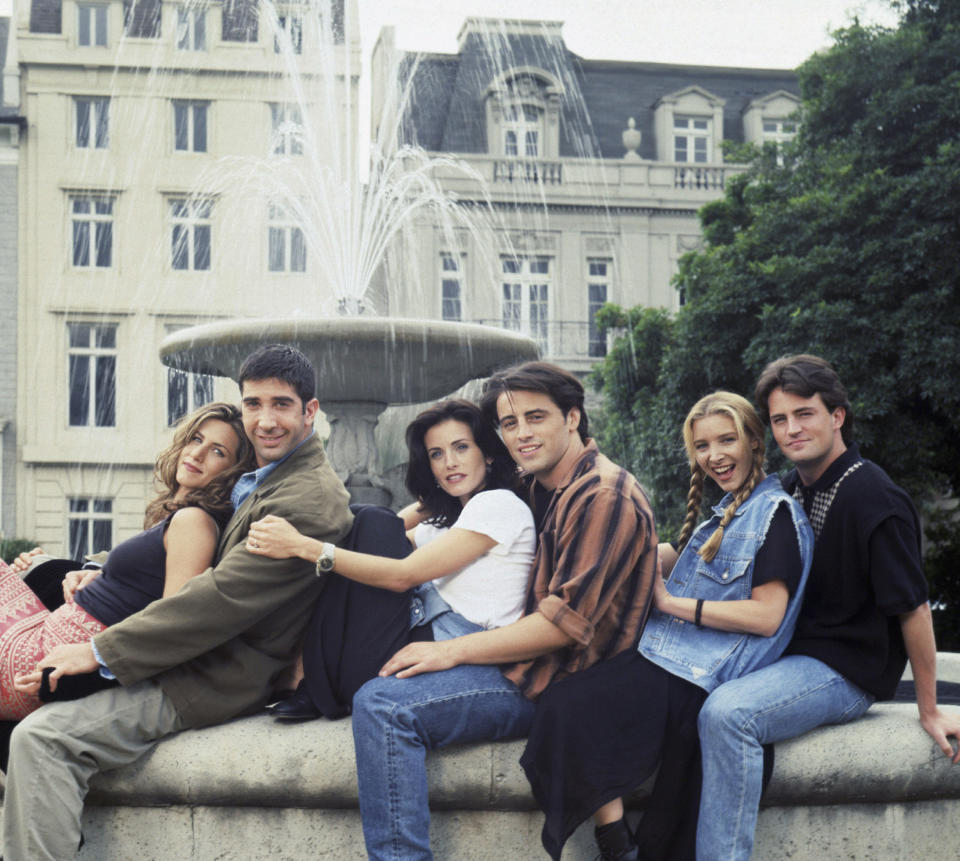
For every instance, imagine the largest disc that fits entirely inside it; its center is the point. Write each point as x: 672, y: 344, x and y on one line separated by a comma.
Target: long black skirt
x: 598, y: 734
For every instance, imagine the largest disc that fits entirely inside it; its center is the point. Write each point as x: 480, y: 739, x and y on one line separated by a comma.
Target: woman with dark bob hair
x: 194, y: 476
x: 473, y: 536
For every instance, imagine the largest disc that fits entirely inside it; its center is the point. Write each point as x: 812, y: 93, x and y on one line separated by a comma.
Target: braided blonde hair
x: 749, y: 426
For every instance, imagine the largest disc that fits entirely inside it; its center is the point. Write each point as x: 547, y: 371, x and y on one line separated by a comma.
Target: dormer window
x: 688, y: 126
x: 772, y: 120
x: 523, y: 108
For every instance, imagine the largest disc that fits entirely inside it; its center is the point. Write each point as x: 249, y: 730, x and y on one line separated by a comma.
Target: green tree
x: 848, y: 249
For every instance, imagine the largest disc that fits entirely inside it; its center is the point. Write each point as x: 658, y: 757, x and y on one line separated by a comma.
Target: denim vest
x: 705, y: 656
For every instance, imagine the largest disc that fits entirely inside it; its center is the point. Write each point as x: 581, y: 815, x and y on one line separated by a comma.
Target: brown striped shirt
x: 593, y: 571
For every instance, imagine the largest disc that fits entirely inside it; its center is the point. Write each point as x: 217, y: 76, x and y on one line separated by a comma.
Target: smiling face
x: 275, y: 419
x: 457, y: 462
x: 540, y: 438
x: 806, y: 431
x: 721, y: 452
x: 211, y: 450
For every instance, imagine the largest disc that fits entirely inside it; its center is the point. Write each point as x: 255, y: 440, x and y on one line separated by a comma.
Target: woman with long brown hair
x: 194, y: 476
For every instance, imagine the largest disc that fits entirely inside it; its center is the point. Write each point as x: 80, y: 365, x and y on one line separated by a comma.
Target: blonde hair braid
x: 694, y: 499
x: 712, y: 544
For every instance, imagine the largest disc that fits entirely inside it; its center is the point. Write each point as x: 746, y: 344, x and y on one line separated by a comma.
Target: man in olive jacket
x: 204, y: 655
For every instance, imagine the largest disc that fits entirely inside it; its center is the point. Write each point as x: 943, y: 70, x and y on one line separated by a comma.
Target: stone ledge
x: 256, y: 762
x: 254, y: 789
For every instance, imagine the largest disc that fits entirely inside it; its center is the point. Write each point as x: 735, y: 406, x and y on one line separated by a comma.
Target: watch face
x: 325, y: 563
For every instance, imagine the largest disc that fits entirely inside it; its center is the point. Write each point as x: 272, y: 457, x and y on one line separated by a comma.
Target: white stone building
x: 594, y: 169
x: 131, y: 224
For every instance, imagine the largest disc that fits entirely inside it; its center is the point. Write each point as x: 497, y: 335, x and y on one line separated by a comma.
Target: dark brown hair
x: 805, y: 376
x: 444, y: 509
x: 562, y: 387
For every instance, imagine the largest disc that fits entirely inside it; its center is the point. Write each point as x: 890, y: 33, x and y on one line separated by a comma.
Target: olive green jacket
x: 217, y: 645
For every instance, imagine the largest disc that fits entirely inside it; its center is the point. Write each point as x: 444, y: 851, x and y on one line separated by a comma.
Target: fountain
x: 364, y: 362
x: 363, y: 365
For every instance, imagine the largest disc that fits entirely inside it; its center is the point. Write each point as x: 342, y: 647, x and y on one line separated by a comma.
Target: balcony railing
x: 528, y: 170
x: 698, y: 178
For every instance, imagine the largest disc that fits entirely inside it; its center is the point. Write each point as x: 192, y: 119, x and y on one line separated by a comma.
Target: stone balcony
x: 611, y: 183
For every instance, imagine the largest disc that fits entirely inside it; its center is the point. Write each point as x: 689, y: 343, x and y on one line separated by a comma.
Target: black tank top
x: 132, y: 577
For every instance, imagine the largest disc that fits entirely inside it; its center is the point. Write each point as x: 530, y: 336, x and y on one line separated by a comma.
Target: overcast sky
x: 756, y: 33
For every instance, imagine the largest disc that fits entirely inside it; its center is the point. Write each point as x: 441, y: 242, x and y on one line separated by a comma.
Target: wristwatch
x: 324, y: 561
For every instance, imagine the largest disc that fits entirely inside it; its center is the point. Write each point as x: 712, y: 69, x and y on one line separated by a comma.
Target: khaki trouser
x: 56, y: 750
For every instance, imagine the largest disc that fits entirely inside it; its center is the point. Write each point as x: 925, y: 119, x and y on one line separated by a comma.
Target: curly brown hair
x: 214, y: 498
x: 749, y: 427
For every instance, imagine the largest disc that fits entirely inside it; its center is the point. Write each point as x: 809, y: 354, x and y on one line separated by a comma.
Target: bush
x: 11, y: 548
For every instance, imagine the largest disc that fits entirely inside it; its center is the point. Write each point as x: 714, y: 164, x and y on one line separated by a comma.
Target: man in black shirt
x: 864, y: 612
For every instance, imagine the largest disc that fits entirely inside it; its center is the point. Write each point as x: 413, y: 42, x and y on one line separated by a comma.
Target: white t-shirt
x: 490, y: 590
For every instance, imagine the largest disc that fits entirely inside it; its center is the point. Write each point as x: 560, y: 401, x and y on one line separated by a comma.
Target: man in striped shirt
x: 589, y: 594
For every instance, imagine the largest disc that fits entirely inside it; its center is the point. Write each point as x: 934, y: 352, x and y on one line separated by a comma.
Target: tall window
x: 521, y: 130
x: 190, y: 126
x: 597, y: 280
x: 90, y: 525
x: 190, y: 230
x: 92, y: 374
x: 451, y: 286
x: 191, y: 28
x: 526, y: 286
x: 287, y: 125
x: 91, y: 24
x: 287, y: 248
x: 92, y: 122
x: 141, y: 18
x: 92, y: 230
x: 691, y: 139
x: 290, y: 35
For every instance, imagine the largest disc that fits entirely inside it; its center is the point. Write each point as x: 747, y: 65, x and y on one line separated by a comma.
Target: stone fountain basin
x: 373, y: 359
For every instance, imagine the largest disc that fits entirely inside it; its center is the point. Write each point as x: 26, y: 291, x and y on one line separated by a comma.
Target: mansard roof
x: 447, y: 105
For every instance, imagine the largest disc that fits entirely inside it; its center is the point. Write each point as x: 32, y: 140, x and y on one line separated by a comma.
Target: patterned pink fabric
x: 28, y: 631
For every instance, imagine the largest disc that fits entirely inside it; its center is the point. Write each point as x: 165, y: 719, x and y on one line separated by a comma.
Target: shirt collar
x: 250, y: 481
x: 834, y: 471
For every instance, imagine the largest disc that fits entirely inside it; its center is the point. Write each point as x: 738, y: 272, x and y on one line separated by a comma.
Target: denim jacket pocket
x: 723, y: 579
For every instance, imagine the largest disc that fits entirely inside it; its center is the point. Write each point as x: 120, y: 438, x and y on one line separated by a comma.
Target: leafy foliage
x: 849, y: 249
x: 11, y: 548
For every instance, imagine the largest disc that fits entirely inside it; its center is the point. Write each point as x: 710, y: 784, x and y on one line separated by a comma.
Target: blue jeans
x: 787, y: 698
x: 396, y: 721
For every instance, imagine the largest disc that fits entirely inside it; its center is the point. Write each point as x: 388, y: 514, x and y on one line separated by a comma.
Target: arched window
x: 519, y: 104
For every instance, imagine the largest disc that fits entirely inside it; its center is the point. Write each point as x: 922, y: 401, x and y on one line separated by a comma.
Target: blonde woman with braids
x: 194, y: 475
x: 729, y: 607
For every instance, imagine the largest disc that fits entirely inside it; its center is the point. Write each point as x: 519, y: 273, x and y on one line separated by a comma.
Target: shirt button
x: 724, y: 575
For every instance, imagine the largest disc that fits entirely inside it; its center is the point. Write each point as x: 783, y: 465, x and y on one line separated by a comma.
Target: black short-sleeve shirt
x: 866, y: 570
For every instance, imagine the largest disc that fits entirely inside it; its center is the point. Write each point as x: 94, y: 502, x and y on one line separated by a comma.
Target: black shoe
x: 297, y: 707
x: 616, y: 843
